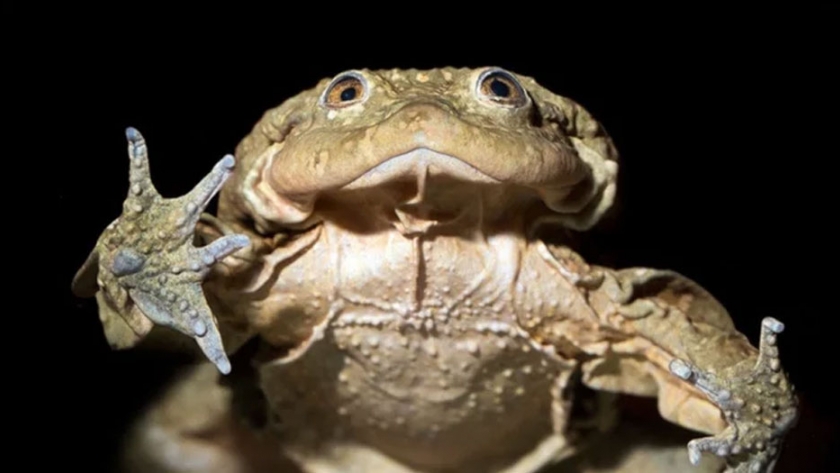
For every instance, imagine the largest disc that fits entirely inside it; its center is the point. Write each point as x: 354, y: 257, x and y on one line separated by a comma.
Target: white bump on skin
x: 773, y: 324
x: 680, y: 369
x: 199, y: 328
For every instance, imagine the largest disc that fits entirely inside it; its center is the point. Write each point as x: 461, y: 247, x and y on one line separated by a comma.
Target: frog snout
x: 426, y: 123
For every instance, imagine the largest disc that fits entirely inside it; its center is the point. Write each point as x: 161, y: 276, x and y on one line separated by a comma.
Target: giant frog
x: 378, y: 237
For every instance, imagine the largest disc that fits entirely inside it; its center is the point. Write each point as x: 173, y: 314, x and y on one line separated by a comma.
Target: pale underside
x: 420, y: 360
x: 192, y: 430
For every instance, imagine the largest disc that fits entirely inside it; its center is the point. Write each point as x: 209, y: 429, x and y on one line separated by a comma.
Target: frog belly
x: 443, y: 399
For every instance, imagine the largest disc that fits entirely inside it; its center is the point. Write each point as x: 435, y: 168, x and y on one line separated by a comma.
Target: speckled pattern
x: 378, y: 237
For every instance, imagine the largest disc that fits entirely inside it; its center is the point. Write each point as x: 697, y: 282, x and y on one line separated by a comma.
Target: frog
x: 379, y: 258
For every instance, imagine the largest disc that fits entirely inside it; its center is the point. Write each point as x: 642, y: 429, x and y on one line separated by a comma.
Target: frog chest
x: 422, y: 281
x: 436, y: 284
x: 414, y: 340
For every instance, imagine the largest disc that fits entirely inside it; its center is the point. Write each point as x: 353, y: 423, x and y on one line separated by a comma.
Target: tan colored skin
x: 410, y: 317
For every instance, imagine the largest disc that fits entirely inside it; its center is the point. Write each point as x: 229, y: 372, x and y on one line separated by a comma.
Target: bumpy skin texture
x: 379, y: 238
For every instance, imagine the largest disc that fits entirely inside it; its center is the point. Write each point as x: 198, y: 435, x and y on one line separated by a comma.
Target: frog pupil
x: 348, y: 94
x: 499, y: 88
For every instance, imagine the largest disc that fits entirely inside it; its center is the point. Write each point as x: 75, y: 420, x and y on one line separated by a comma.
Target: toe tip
x: 774, y: 325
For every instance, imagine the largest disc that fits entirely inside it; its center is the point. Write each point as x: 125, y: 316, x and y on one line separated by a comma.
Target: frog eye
x: 345, y: 90
x: 500, y: 87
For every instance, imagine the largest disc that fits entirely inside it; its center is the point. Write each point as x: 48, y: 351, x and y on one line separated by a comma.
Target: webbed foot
x: 759, y: 407
x: 146, y: 260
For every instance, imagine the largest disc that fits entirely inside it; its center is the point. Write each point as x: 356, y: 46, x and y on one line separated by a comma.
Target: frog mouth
x: 422, y: 189
x: 420, y: 163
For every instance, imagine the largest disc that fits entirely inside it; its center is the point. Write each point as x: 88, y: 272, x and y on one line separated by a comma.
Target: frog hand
x: 146, y: 260
x: 758, y: 405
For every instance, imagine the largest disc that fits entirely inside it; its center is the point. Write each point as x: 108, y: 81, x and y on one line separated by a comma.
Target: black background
x: 726, y: 123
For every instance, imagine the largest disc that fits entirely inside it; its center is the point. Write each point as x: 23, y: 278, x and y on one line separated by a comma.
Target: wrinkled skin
x: 379, y: 238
